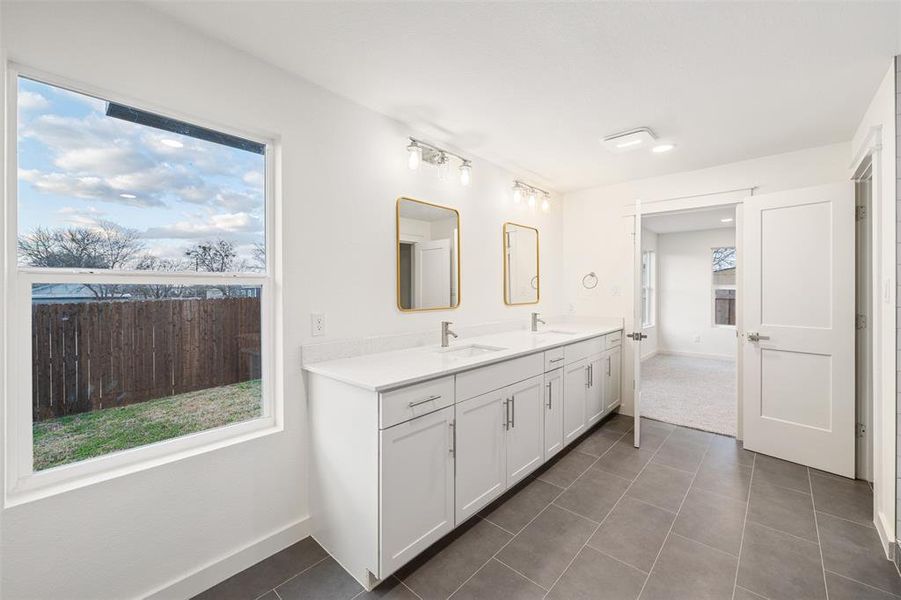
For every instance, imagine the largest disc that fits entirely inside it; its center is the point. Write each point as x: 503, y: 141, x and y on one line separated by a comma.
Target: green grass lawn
x: 77, y: 437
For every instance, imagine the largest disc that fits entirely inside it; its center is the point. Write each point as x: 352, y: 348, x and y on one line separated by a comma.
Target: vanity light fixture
x: 420, y: 152
x: 531, y: 192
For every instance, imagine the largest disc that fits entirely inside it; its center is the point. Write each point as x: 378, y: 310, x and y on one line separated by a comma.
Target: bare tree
x: 217, y: 256
x: 723, y: 258
x: 258, y: 254
x: 104, y: 246
x: 150, y: 262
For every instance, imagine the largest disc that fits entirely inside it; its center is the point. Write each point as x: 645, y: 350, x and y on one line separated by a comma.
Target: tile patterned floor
x: 689, y: 516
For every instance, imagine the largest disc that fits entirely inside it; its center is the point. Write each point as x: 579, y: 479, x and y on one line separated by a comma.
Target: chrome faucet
x: 446, y: 331
x: 536, y: 321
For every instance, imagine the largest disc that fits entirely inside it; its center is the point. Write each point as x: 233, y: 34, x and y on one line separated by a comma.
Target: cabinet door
x: 575, y: 386
x: 553, y: 413
x: 613, y: 382
x: 481, y: 452
x: 525, y: 433
x: 416, y: 491
x: 597, y: 382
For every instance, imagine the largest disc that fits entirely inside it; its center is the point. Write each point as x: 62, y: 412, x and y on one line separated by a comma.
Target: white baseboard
x: 723, y: 357
x: 883, y: 529
x: 650, y: 354
x: 198, y: 580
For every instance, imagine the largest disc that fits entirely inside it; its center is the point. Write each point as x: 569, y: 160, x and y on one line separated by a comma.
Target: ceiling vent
x: 626, y: 141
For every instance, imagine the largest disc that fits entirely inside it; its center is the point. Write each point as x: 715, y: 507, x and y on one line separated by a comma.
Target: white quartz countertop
x: 387, y: 370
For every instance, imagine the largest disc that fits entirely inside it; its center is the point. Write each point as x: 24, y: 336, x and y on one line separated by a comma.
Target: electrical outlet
x: 317, y: 323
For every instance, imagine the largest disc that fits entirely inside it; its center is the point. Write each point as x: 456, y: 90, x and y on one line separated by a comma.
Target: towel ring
x: 590, y: 281
x: 534, y: 283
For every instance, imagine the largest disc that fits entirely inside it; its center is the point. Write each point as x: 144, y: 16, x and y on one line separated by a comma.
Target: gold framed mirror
x: 428, y: 256
x: 522, y: 281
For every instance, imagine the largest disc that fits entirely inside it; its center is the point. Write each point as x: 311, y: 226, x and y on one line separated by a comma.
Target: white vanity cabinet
x: 416, y: 486
x: 553, y: 412
x: 575, y: 388
x: 594, y: 391
x: 393, y: 467
x: 481, y: 452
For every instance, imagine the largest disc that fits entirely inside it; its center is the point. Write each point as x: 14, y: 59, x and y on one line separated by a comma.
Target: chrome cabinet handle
x: 453, y: 435
x: 550, y: 401
x: 608, y: 365
x: 553, y: 360
x: 429, y: 399
x: 513, y: 412
x: 506, y: 414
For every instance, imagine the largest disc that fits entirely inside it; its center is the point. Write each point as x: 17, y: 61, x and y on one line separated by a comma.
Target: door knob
x: 756, y: 337
x: 637, y: 336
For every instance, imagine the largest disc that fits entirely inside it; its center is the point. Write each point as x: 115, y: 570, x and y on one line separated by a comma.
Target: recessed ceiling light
x: 171, y: 143
x: 727, y: 220
x: 128, y: 196
x: 662, y: 148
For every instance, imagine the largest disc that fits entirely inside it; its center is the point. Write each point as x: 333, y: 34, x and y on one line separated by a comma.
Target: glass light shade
x: 414, y: 157
x: 545, y: 205
x: 465, y: 174
x: 443, y: 167
x: 532, y: 199
x: 517, y: 194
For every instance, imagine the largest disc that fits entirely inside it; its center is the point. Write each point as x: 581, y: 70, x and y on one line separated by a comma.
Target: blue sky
x: 77, y: 166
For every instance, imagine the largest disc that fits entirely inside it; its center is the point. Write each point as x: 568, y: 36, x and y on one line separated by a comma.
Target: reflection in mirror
x: 521, y: 281
x: 428, y: 256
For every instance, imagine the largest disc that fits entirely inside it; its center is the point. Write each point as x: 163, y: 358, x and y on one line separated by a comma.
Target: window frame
x: 721, y: 286
x: 21, y: 483
x: 648, y: 290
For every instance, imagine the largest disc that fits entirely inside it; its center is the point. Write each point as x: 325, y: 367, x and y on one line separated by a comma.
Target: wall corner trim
x: 195, y: 581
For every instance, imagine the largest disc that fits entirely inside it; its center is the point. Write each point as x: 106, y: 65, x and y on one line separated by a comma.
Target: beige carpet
x: 688, y: 391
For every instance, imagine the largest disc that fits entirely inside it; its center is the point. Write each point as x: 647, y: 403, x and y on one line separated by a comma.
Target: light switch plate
x: 317, y: 324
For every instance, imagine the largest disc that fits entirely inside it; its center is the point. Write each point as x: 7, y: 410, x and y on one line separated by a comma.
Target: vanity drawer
x: 553, y: 359
x: 614, y: 339
x: 403, y: 404
x: 581, y: 350
x: 481, y: 381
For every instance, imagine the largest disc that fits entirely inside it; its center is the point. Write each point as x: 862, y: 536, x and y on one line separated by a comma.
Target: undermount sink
x: 470, y: 351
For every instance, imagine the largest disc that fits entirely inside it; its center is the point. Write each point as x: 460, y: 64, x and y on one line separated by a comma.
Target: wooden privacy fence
x: 94, y: 355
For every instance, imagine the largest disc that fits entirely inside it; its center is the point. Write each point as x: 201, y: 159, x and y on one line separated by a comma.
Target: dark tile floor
x: 691, y: 515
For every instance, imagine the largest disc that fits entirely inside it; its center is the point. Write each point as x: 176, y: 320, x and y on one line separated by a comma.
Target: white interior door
x: 636, y: 334
x: 798, y: 375
x: 432, y: 273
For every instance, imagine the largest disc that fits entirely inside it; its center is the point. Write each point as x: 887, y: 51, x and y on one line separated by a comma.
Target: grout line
x: 411, y: 590
x: 714, y: 548
x: 741, y: 543
x: 540, y: 512
x: 863, y: 583
x: 515, y: 571
x: 611, y: 557
x: 572, y: 512
x: 652, y: 505
x: 754, y: 594
x: 504, y: 529
x: 816, y: 522
x: 326, y: 557
x: 791, y: 535
x: 626, y: 491
x: 858, y: 523
x: 673, y: 524
x: 279, y: 596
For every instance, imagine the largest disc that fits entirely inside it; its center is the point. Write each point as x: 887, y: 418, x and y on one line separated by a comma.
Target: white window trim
x: 714, y: 287
x: 21, y: 483
x: 650, y: 289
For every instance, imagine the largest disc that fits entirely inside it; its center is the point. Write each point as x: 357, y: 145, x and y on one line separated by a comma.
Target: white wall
x: 878, y: 127
x: 684, y: 279
x: 649, y: 346
x: 598, y: 230
x: 342, y: 167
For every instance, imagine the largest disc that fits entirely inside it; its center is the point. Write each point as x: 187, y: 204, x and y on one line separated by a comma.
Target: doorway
x: 689, y: 301
x: 863, y: 339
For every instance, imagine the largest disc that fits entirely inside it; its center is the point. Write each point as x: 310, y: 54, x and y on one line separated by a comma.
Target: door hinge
x: 860, y: 213
x: 861, y: 430
x: 860, y: 321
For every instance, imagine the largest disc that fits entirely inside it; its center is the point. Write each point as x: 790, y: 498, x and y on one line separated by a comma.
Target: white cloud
x: 253, y: 178
x: 226, y: 225
x: 31, y: 100
x: 85, y: 217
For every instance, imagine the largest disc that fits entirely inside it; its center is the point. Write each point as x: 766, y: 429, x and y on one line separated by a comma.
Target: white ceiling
x: 534, y: 86
x: 697, y: 220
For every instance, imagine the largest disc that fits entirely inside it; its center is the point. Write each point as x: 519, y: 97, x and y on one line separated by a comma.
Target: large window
x: 647, y: 288
x: 142, y: 252
x: 723, y: 268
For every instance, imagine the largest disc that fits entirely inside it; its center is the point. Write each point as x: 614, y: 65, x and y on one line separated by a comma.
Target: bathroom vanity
x: 407, y: 445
